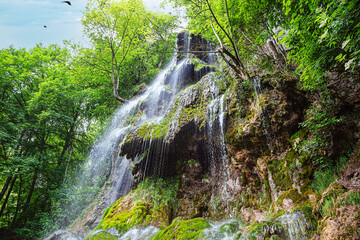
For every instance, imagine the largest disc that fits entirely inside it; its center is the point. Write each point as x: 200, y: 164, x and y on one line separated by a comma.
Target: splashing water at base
x: 227, y: 230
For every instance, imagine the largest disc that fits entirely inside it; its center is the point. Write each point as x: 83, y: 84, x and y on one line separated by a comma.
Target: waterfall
x: 106, y: 176
x: 215, y: 133
x: 268, y: 133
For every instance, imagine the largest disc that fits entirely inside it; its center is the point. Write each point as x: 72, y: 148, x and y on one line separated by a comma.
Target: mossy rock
x: 138, y: 213
x: 280, y: 168
x: 181, y: 230
x: 308, y: 214
x: 124, y: 220
x: 102, y: 235
x: 263, y: 230
x: 292, y: 194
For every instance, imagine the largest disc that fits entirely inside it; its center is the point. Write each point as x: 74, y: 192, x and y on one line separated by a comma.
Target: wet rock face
x: 346, y: 86
x: 158, y: 148
x: 197, y: 47
x: 193, y: 194
x: 292, y: 226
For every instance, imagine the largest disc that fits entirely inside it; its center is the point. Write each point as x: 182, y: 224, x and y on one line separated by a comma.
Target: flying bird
x: 44, y: 26
x: 68, y: 2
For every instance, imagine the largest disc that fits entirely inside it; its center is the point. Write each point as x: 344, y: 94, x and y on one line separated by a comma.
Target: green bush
x: 158, y: 191
x: 322, y: 180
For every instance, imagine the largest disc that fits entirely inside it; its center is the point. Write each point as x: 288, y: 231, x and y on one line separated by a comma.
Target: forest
x: 57, y: 100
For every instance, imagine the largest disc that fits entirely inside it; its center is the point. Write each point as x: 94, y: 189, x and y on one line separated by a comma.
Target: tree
x: 42, y: 114
x: 241, y: 27
x: 114, y: 27
x: 324, y: 36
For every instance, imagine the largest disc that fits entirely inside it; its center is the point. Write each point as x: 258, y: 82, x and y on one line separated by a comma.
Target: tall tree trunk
x: 18, y: 203
x: 7, y: 196
x: 5, y: 187
x: 26, y: 205
x: 164, y: 55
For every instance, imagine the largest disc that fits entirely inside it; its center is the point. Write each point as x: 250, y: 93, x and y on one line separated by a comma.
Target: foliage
x: 323, y: 35
x: 122, y: 34
x: 353, y: 198
x: 241, y: 28
x: 320, y: 122
x: 322, y: 180
x: 158, y: 191
x: 42, y: 133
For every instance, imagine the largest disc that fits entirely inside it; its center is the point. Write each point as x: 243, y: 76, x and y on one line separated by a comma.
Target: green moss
x: 160, y: 192
x: 181, y: 230
x: 297, y: 137
x: 150, y: 203
x: 292, y: 194
x: 309, y: 216
x: 124, y: 220
x: 280, y: 168
x: 103, y: 235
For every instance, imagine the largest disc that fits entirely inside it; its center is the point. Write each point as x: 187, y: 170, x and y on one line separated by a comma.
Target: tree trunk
x: 5, y: 187
x: 26, y: 205
x: 18, y: 203
x: 116, y: 95
x: 7, y: 196
x: 163, y: 57
x: 273, y: 50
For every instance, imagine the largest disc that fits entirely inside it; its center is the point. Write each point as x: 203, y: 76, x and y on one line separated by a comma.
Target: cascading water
x: 217, y: 149
x: 267, y: 129
x: 104, y: 162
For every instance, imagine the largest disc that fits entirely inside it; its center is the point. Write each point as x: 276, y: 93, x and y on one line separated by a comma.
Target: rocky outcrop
x: 194, y: 46
x: 176, y: 138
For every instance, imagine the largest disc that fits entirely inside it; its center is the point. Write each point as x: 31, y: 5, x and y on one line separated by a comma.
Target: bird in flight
x: 68, y: 2
x: 45, y: 26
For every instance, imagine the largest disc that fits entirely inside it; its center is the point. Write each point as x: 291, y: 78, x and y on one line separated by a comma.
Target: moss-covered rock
x: 263, y: 230
x: 101, y: 235
x: 123, y: 220
x: 183, y: 230
x: 151, y: 203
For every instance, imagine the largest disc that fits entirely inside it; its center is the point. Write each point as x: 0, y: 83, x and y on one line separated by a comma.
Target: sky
x: 22, y: 21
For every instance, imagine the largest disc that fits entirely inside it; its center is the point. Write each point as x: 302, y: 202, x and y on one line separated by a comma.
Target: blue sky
x: 22, y: 21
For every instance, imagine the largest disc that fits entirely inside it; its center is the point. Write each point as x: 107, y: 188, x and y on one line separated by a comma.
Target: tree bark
x: 5, y: 187
x: 163, y: 57
x: 26, y: 205
x: 7, y: 196
x: 18, y: 203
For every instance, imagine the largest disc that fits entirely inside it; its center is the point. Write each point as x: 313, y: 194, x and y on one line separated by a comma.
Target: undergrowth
x: 158, y: 191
